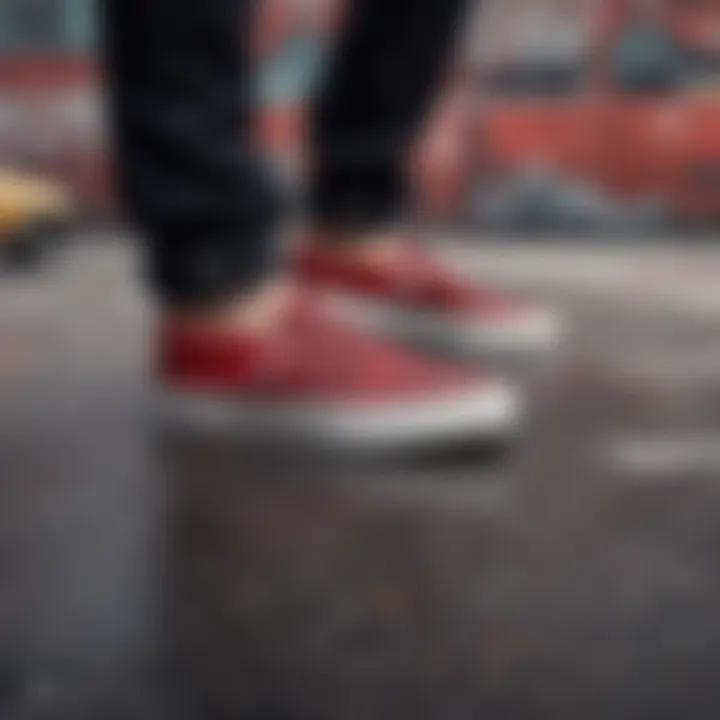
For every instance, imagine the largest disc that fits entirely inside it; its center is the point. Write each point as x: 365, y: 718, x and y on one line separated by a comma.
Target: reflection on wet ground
x: 146, y: 572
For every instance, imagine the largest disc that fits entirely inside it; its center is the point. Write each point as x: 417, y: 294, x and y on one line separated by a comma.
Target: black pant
x: 181, y: 100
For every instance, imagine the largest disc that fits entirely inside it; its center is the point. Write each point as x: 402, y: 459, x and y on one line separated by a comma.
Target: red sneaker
x: 418, y: 299
x: 315, y: 379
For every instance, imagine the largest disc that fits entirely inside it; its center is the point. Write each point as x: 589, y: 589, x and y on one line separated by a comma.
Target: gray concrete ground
x: 149, y: 574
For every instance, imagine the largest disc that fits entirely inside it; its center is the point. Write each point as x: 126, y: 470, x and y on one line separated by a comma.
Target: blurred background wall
x: 578, y: 115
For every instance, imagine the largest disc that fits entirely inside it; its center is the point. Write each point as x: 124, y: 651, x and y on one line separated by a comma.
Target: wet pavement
x: 147, y: 573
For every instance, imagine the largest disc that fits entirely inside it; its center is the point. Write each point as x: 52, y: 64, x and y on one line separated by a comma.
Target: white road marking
x: 663, y: 457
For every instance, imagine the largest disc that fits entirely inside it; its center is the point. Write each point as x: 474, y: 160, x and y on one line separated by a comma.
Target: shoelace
x: 425, y: 281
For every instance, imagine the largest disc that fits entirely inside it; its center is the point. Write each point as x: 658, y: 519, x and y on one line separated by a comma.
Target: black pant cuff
x: 193, y: 273
x: 355, y: 199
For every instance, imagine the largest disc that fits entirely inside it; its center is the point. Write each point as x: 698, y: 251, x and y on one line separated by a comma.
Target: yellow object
x: 26, y: 200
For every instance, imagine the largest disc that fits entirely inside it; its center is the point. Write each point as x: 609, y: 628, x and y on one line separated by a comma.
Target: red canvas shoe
x: 315, y: 379
x: 419, y: 299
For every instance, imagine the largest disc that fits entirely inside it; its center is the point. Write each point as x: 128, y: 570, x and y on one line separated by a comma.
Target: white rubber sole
x: 492, y: 413
x: 537, y: 332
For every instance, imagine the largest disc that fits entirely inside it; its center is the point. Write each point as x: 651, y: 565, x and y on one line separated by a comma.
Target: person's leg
x: 387, y: 68
x: 181, y: 106
x: 231, y: 341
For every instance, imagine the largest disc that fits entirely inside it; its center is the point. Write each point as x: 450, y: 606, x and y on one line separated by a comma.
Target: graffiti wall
x: 581, y: 114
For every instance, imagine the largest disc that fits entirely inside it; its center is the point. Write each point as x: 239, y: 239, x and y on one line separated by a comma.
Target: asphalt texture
x: 148, y: 573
